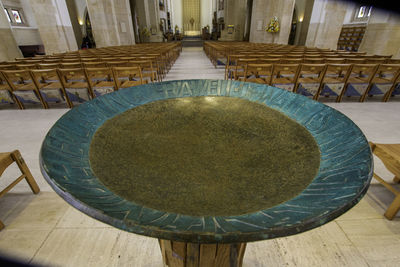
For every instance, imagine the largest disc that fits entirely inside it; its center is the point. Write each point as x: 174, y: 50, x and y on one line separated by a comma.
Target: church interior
x: 57, y: 55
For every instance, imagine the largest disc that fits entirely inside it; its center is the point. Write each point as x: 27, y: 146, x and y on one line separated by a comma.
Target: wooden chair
x: 291, y: 60
x: 111, y: 64
x: 6, y: 159
x: 359, y: 80
x: 76, y: 85
x: 94, y: 64
x: 258, y: 73
x: 241, y: 66
x: 6, y: 95
x: 309, y: 79
x: 337, y: 60
x: 376, y: 60
x: 230, y: 66
x: 49, y: 86
x: 23, y: 87
x: 383, y: 81
x: 26, y: 66
x: 334, y: 80
x: 127, y: 76
x: 355, y: 60
x: 284, y: 76
x: 74, y: 65
x: 149, y: 73
x: 314, y: 60
x: 390, y: 156
x: 49, y: 65
x: 8, y: 67
x: 101, y: 80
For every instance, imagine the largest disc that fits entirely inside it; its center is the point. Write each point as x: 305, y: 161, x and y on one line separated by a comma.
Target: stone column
x: 8, y: 46
x: 111, y: 22
x: 234, y: 14
x: 149, y: 18
x: 326, y: 23
x: 382, y: 35
x: 54, y: 25
x: 263, y: 12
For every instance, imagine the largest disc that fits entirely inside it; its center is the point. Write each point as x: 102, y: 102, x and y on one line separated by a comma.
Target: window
x: 15, y: 16
x: 8, y: 15
x: 362, y: 13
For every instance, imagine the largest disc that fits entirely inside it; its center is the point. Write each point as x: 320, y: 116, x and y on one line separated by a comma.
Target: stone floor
x: 44, y: 230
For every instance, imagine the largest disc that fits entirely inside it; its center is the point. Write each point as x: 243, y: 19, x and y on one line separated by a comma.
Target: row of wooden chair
x: 69, y: 86
x: 239, y: 61
x: 329, y: 80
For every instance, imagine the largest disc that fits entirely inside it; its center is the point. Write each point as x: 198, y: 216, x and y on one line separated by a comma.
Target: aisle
x: 194, y: 64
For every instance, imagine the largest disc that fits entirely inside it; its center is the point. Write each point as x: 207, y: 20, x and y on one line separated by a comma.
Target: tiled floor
x: 43, y: 229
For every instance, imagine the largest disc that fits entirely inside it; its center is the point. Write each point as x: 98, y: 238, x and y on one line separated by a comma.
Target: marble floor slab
x: 44, y: 230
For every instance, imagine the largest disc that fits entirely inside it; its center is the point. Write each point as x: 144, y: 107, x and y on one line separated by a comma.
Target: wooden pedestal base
x: 201, y: 255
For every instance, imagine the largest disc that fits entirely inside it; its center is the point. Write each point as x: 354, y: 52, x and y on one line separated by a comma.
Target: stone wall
x: 54, y: 25
x: 382, y: 35
x: 263, y: 11
x: 111, y: 22
x: 8, y: 46
x: 326, y: 23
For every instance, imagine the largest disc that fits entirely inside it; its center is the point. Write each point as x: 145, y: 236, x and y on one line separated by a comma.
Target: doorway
x: 293, y: 28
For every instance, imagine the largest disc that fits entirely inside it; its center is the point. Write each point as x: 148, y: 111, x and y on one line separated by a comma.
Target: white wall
x: 177, y: 16
x: 25, y: 35
x: 206, y: 12
x: 81, y: 7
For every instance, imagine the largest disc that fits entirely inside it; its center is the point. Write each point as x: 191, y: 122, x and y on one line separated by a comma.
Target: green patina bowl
x: 207, y: 161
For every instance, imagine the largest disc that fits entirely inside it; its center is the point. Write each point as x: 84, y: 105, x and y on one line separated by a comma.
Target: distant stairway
x: 192, y: 41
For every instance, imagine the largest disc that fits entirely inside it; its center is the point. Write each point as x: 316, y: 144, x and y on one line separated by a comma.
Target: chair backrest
x: 288, y: 71
x: 70, y: 65
x: 355, y: 60
x: 99, y: 74
x: 127, y: 73
x: 19, y: 79
x: 291, y: 60
x: 386, y: 73
x: 375, y: 60
x: 335, y: 60
x: 312, y: 60
x: 265, y: 60
x: 337, y: 73
x: 26, y: 67
x: 69, y: 76
x: 49, y: 66
x: 262, y: 72
x: 362, y: 72
x: 146, y: 67
x: 94, y: 64
x: 314, y: 71
x: 7, y: 67
x: 120, y: 63
x: 43, y: 77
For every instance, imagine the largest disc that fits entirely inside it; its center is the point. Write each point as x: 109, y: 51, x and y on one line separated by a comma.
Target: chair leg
x: 1, y: 225
x: 25, y: 170
x: 393, y: 208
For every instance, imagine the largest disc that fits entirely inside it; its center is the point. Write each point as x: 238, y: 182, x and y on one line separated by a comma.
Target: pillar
x: 234, y: 14
x: 54, y: 25
x: 382, y: 35
x: 8, y: 46
x: 326, y: 23
x: 149, y: 18
x: 263, y: 11
x: 111, y: 22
